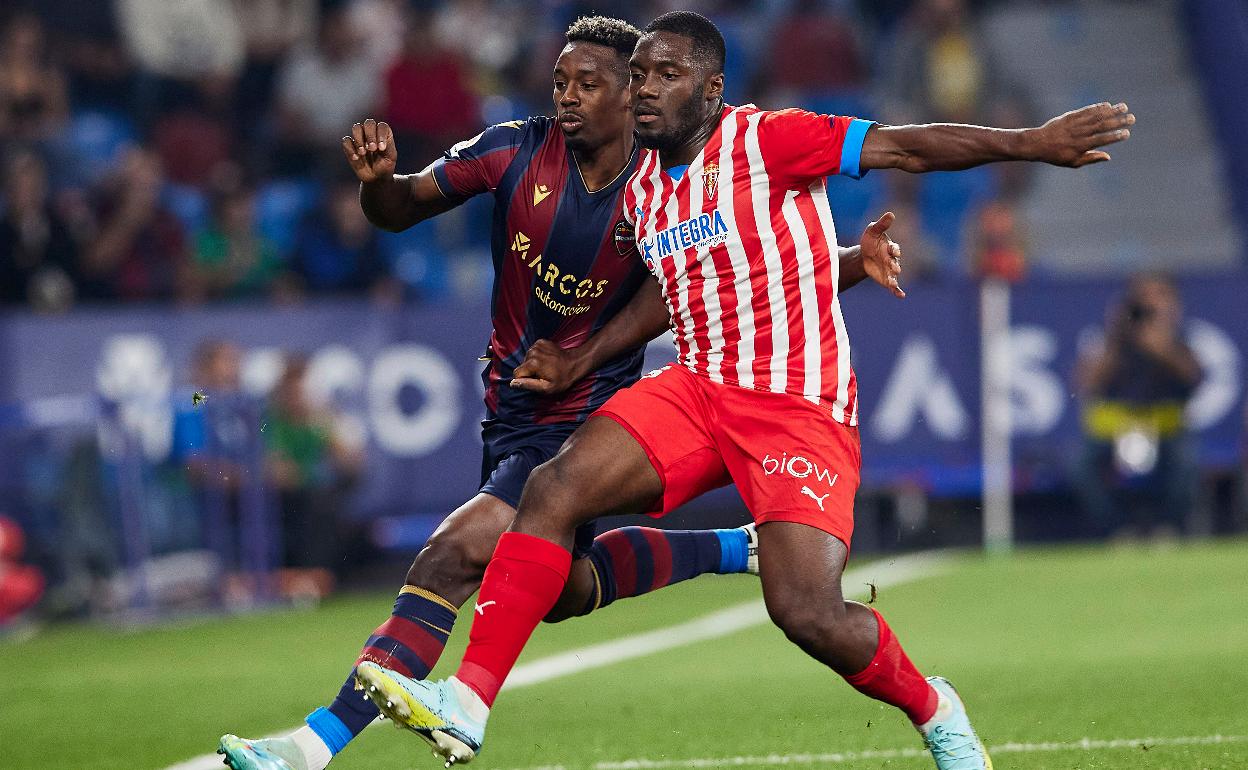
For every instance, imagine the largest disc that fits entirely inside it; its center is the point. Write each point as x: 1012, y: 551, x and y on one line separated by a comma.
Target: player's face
x: 670, y: 91
x: 591, y: 95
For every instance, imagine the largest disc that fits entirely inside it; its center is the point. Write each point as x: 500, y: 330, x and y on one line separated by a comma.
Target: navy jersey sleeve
x: 477, y: 164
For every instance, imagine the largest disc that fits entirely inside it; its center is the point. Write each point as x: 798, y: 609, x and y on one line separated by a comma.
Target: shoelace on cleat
x: 945, y: 741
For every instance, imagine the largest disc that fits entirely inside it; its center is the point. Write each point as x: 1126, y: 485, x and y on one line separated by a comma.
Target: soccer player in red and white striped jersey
x: 731, y: 216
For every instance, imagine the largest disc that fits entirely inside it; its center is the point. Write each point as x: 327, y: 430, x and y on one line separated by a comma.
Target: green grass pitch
x: 1048, y: 646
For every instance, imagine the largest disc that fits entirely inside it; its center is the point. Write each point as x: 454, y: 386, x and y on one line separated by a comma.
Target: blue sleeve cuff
x: 443, y: 181
x: 851, y: 150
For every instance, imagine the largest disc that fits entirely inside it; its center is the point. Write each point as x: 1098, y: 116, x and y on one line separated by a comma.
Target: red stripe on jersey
x: 735, y: 316
x: 533, y: 222
x: 826, y: 269
x: 794, y: 277
x: 703, y: 178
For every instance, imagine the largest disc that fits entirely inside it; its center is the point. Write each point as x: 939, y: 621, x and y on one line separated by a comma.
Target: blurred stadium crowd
x: 190, y: 152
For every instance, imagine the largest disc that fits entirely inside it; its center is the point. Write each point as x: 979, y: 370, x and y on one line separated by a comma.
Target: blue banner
x: 407, y: 381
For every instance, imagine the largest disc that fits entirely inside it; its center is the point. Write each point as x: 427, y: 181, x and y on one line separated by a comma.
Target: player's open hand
x: 1072, y: 139
x: 370, y: 150
x: 881, y: 256
x: 548, y: 369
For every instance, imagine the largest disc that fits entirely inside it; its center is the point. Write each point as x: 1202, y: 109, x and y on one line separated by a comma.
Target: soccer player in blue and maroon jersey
x: 565, y: 265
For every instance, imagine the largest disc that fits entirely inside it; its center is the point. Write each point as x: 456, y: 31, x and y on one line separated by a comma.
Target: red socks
x: 892, y: 678
x: 521, y: 585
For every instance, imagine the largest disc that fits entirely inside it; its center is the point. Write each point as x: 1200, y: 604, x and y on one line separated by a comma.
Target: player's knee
x: 450, y: 566
x: 550, y: 493
x: 808, y: 624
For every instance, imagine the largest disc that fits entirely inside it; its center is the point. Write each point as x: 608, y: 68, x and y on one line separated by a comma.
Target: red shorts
x: 789, y: 459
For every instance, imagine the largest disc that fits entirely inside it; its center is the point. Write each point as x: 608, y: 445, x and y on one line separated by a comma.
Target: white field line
x: 844, y: 757
x: 882, y: 574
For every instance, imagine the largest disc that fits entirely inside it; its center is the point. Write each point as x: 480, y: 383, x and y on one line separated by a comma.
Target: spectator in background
x: 428, y: 100
x: 33, y: 96
x: 189, y: 52
x: 322, y: 90
x: 1135, y: 384
x: 38, y: 249
x: 313, y: 469
x: 139, y: 245
x: 337, y: 251
x: 814, y: 52
x: 230, y: 259
x: 939, y: 66
x: 21, y: 586
x: 997, y: 245
x: 87, y: 39
x: 271, y: 30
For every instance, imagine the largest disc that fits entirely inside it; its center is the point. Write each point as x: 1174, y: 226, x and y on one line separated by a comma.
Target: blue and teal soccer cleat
x: 949, y: 735
x: 433, y: 710
x: 262, y: 754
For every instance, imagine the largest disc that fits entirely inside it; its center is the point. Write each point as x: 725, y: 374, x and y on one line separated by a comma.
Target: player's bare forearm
x: 1072, y: 140
x: 399, y: 201
x: 391, y: 201
x: 549, y: 370
x: 644, y: 317
x: 853, y: 271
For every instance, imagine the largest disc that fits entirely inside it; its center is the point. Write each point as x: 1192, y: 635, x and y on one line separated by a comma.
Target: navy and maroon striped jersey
x: 564, y: 261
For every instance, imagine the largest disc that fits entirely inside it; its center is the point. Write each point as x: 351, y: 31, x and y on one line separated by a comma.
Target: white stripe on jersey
x: 760, y: 190
x: 736, y: 253
x: 841, y: 408
x: 811, y: 354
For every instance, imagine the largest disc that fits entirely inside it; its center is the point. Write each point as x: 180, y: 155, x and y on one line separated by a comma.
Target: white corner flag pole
x: 995, y: 363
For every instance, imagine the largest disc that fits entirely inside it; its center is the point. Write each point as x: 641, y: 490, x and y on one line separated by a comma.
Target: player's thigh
x: 455, y: 556
x: 790, y: 459
x: 601, y: 470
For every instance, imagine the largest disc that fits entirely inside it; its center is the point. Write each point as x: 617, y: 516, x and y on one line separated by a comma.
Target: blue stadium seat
x: 281, y: 204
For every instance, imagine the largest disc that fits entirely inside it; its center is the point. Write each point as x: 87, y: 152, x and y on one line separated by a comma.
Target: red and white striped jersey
x: 744, y: 247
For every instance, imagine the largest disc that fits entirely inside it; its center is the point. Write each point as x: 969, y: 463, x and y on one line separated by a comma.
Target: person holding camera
x: 1137, y: 470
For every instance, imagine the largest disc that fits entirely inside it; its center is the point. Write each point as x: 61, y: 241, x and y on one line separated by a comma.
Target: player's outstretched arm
x: 391, y: 201
x: 876, y: 256
x: 1071, y: 140
x: 550, y: 370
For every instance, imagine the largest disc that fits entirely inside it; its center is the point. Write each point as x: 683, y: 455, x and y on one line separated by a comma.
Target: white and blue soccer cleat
x: 751, y: 557
x: 949, y: 735
x: 260, y: 754
x: 447, y: 714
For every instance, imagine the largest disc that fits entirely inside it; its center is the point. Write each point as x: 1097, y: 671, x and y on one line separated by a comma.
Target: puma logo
x: 817, y: 498
x: 480, y: 608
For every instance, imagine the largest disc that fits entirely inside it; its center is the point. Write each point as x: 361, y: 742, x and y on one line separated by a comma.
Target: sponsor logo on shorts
x: 798, y: 467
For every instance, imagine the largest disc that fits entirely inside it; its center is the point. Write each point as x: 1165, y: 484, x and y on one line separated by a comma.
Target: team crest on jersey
x: 710, y: 180
x: 625, y: 237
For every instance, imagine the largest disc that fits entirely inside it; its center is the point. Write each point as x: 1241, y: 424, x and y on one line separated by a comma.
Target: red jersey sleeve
x: 476, y: 165
x: 803, y: 145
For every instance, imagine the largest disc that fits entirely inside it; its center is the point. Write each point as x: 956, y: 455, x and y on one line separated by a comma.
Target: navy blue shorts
x: 509, y: 455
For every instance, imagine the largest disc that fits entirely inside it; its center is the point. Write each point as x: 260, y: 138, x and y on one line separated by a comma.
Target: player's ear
x: 715, y: 87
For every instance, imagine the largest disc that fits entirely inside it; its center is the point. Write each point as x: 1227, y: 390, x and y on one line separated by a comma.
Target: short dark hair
x: 603, y: 30
x: 708, y: 44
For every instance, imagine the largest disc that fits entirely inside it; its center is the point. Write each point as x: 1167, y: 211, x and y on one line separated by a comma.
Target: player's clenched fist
x: 370, y: 150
